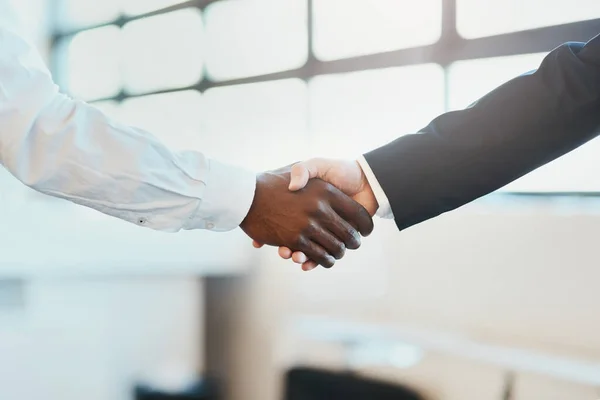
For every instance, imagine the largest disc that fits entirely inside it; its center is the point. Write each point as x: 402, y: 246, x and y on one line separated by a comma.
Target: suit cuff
x: 227, y: 198
x: 385, y: 209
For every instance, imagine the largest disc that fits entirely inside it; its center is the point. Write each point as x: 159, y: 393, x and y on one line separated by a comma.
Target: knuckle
x: 323, y: 206
x: 330, y: 192
x: 322, y: 188
x: 300, y: 242
x: 326, y: 187
x: 309, y: 229
x: 318, y: 208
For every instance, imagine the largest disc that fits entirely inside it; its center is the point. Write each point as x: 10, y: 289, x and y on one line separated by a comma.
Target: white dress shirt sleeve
x: 69, y: 149
x: 385, y: 209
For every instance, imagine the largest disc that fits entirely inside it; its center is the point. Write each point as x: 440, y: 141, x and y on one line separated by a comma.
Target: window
x: 356, y: 112
x: 346, y: 28
x: 269, y: 36
x: 175, y: 118
x: 77, y: 13
x: 259, y: 125
x: 577, y: 171
x: 163, y: 52
x: 477, y: 18
x: 136, y: 7
x: 93, y: 63
x: 263, y: 83
x: 470, y: 80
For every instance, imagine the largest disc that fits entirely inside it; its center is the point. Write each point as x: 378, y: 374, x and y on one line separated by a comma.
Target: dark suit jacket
x: 518, y: 127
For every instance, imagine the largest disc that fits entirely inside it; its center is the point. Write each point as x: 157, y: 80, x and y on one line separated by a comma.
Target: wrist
x: 384, y: 209
x: 252, y: 207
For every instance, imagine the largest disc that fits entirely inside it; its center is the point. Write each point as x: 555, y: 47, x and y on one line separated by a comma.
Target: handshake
x: 313, y: 210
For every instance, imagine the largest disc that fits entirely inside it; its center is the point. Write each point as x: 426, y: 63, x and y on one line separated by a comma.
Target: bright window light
x: 163, y: 52
x: 477, y: 18
x: 347, y: 28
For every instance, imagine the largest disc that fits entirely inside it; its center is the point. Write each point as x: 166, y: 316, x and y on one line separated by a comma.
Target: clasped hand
x: 313, y: 221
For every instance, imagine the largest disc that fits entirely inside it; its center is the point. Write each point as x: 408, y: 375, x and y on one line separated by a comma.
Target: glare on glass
x: 80, y: 13
x: 357, y: 112
x: 260, y: 125
x: 136, y: 7
x: 347, y: 28
x: 174, y: 118
x: 470, y: 80
x: 163, y: 51
x: 93, y: 63
x: 477, y: 18
x: 255, y: 37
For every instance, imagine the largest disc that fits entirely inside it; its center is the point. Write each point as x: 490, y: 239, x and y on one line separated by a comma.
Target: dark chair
x: 206, y: 390
x: 315, y: 384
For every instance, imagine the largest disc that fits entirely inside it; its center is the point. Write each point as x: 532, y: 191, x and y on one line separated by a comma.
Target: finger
x: 285, y: 253
x: 317, y: 253
x: 304, y: 171
x: 344, y: 231
x: 326, y: 239
x: 299, y: 176
x: 299, y: 257
x: 309, y: 265
x: 351, y: 211
x: 256, y: 244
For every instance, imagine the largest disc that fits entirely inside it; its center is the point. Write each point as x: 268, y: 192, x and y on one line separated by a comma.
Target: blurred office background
x: 498, y: 300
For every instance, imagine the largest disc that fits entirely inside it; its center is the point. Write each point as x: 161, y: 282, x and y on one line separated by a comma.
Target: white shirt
x: 385, y: 209
x: 69, y: 149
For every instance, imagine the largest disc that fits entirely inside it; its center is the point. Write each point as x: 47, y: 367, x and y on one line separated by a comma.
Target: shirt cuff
x: 384, y: 210
x: 227, y: 198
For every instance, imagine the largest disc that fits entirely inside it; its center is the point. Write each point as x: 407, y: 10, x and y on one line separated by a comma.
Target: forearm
x: 513, y: 130
x: 69, y: 149
x: 75, y: 152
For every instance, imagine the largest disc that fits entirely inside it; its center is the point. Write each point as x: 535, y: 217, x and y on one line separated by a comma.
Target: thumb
x: 303, y: 171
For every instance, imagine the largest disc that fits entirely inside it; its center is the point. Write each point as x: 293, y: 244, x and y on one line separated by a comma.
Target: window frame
x: 450, y: 47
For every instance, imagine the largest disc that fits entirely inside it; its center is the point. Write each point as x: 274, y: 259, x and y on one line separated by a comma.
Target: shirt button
x: 142, y: 221
x: 210, y: 225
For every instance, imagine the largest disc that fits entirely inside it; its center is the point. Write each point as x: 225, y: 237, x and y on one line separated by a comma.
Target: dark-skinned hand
x: 319, y: 220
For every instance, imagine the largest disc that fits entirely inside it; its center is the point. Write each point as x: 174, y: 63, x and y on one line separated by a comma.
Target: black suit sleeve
x: 523, y: 124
